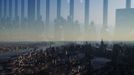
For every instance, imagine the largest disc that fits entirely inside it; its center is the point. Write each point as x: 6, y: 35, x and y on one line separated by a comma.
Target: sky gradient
x: 96, y: 16
x: 96, y: 11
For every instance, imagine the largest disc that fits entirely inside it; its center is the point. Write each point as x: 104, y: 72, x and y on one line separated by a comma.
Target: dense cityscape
x: 64, y: 46
x: 67, y: 58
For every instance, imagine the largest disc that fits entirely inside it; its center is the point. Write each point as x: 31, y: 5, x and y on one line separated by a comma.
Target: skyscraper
x: 47, y: 11
x: 71, y: 14
x: 10, y: 8
x: 16, y: 8
x: 105, y: 13
x: 128, y: 3
x: 58, y: 8
x: 31, y: 10
x: 22, y: 9
x: 87, y: 2
x: 38, y: 9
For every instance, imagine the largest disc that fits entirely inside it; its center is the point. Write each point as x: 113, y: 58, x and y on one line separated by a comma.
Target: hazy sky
x: 96, y: 11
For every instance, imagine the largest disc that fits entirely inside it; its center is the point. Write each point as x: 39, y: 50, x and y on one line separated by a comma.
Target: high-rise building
x: 71, y: 14
x: 124, y: 19
x: 31, y: 10
x: 16, y: 8
x: 105, y: 13
x: 128, y: 3
x: 38, y: 9
x: 22, y: 9
x: 10, y: 8
x: 47, y: 11
x: 58, y: 8
x: 87, y: 3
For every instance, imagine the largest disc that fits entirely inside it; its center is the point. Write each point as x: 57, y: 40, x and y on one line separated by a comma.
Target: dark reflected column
x: 58, y: 8
x: 87, y: 2
x: 71, y: 14
x: 16, y: 8
x: 47, y: 11
x: 128, y: 3
x: 5, y: 8
x: 0, y: 9
x: 22, y: 9
x: 105, y: 13
x: 31, y: 10
x: 38, y: 9
x: 10, y: 8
